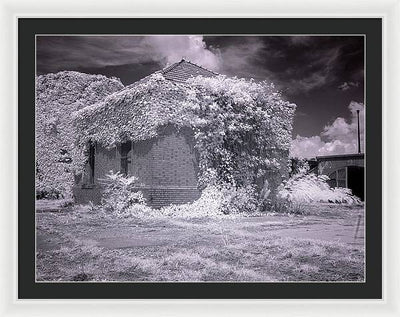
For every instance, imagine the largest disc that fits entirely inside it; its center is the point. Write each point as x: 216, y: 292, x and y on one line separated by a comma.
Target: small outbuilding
x: 346, y: 170
x: 146, y: 130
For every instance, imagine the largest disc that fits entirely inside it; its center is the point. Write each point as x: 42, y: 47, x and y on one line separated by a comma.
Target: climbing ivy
x: 242, y: 127
x: 57, y: 97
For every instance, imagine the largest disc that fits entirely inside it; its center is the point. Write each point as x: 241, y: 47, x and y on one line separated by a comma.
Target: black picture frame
x: 29, y: 289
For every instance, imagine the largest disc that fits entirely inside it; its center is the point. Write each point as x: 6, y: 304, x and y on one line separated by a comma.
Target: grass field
x: 74, y: 244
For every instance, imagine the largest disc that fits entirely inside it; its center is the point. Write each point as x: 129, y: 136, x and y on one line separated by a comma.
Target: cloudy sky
x: 323, y: 75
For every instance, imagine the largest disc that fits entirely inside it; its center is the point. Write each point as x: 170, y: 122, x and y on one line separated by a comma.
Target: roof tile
x: 183, y: 70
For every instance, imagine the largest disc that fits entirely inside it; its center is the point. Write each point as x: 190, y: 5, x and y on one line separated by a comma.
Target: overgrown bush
x: 239, y: 200
x: 307, y: 188
x: 119, y: 195
x: 244, y: 131
x: 298, y: 166
x: 217, y: 201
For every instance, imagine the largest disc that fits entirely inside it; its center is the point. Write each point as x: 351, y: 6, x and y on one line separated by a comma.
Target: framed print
x: 200, y: 158
x: 252, y: 149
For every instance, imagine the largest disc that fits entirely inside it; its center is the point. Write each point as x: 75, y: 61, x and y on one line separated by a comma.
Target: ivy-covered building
x: 176, y: 128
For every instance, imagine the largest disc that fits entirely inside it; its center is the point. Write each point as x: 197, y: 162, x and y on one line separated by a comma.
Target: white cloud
x: 170, y: 49
x: 102, y: 51
x: 306, y: 147
x: 339, y: 137
x: 344, y: 130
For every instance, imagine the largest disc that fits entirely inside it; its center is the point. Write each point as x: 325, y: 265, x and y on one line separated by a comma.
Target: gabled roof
x: 166, y: 97
x: 178, y: 72
x: 183, y: 70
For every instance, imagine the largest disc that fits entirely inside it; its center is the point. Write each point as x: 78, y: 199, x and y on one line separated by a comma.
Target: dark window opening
x: 351, y: 177
x: 125, y: 159
x: 91, y: 162
x: 338, y: 178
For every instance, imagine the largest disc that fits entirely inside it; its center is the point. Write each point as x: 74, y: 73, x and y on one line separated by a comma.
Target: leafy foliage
x: 246, y: 131
x: 135, y: 113
x: 57, y: 97
x: 216, y: 202
x: 306, y: 188
x: 298, y: 166
x: 119, y: 194
x: 242, y: 128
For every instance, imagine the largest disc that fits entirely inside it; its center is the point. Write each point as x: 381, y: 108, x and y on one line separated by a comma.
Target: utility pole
x: 358, y: 131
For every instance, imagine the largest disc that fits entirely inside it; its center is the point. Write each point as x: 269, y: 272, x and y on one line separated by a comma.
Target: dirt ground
x: 74, y: 244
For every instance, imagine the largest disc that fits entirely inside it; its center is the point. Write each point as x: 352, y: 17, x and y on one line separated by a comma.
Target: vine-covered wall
x: 57, y: 97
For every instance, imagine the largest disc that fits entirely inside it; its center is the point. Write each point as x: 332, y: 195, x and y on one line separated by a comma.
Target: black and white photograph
x: 200, y: 158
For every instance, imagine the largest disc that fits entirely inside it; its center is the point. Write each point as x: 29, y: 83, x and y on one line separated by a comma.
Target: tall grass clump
x: 308, y: 188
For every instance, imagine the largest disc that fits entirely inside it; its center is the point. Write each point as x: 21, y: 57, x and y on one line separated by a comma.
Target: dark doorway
x: 355, y: 180
x: 125, y: 159
x: 91, y: 161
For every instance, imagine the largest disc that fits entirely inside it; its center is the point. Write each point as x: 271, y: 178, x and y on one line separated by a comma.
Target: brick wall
x: 166, y: 167
x: 168, y: 160
x: 166, y: 195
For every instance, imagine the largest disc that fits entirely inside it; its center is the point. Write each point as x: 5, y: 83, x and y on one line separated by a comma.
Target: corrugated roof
x: 183, y: 70
x: 340, y: 157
